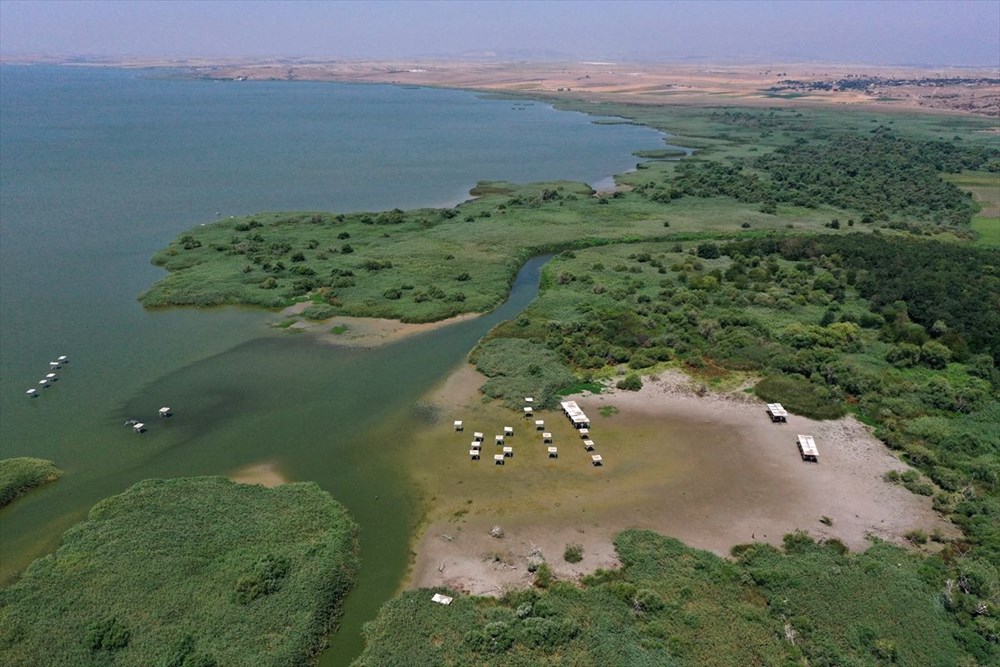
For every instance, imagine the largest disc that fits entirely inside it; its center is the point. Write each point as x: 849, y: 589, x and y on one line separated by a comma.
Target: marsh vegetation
x: 194, y: 571
x: 22, y: 474
x: 673, y: 605
x: 818, y: 253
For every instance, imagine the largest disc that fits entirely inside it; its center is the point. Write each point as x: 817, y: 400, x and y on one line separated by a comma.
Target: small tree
x: 934, y: 355
x: 543, y: 576
x: 708, y: 250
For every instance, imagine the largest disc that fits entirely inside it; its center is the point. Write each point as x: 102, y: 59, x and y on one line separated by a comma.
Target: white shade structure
x: 575, y: 414
x: 807, y: 448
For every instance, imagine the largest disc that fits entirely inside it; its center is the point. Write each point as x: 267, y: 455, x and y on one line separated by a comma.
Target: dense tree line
x: 952, y: 287
x: 881, y: 175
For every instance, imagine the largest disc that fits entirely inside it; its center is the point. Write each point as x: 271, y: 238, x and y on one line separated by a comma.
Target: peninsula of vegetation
x: 838, y: 263
x: 20, y: 475
x: 192, y: 571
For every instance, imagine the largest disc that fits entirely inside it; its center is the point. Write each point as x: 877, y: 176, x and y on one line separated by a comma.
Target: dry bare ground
x: 710, y: 470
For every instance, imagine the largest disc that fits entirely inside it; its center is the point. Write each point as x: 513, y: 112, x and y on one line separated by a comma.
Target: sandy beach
x: 710, y: 470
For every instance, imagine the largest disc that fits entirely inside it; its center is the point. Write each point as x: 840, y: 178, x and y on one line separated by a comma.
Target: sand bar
x: 363, y: 332
x: 264, y: 474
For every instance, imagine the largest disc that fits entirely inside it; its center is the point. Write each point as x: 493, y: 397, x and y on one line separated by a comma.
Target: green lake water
x: 99, y: 168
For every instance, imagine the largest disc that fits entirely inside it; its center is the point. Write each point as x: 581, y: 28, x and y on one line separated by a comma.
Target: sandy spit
x: 363, y: 332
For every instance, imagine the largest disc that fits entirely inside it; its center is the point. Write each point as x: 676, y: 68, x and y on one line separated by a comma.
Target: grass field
x: 198, y: 571
x: 985, y: 187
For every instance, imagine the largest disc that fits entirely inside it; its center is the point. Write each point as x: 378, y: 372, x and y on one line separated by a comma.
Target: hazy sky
x: 953, y: 32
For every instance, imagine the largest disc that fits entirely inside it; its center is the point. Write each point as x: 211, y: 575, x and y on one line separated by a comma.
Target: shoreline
x: 652, y: 83
x: 710, y: 470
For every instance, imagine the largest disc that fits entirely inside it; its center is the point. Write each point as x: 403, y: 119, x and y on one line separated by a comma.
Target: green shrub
x: 319, y: 312
x: 799, y: 396
x: 266, y: 577
x: 573, y: 553
x: 630, y: 382
x: 543, y: 576
x: 108, y: 634
x: 646, y: 601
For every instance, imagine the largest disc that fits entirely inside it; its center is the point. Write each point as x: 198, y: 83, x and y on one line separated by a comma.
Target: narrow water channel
x: 337, y: 416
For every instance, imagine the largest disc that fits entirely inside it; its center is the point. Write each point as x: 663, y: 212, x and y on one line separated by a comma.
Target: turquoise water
x: 99, y: 168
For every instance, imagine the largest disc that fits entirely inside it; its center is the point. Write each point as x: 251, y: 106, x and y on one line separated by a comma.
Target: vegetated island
x: 22, y: 474
x: 819, y: 254
x: 194, y: 571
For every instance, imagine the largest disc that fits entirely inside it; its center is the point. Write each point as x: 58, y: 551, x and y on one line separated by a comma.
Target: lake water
x: 101, y: 167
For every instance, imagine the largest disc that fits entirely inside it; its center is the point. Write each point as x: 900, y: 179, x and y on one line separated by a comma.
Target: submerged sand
x: 264, y: 474
x: 712, y: 471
